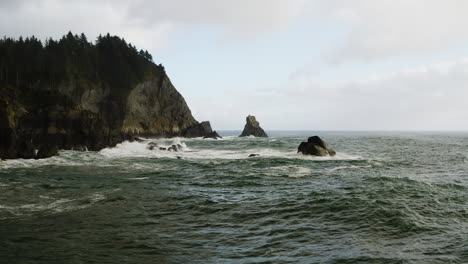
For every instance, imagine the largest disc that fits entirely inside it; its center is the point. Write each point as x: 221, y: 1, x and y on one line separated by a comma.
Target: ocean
x: 386, y: 197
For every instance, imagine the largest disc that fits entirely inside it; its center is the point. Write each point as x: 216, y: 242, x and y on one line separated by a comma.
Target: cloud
x: 379, y: 29
x: 425, y: 98
x: 54, y: 18
x: 144, y: 22
x: 241, y: 17
x: 431, y: 97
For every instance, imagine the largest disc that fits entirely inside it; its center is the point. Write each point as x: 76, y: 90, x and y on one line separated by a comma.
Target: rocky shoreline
x: 72, y: 94
x: 81, y: 95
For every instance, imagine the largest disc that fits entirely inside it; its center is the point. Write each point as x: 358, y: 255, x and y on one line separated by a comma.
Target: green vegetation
x: 42, y: 85
x: 28, y: 64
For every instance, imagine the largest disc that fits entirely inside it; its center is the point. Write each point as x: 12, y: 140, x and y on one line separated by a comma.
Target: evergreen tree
x: 27, y: 64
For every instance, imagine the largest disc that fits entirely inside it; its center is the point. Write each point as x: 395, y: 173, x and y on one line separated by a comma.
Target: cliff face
x: 91, y: 118
x: 93, y: 102
x: 155, y: 107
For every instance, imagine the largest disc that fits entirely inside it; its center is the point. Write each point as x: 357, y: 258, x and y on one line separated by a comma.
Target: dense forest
x: 110, y: 60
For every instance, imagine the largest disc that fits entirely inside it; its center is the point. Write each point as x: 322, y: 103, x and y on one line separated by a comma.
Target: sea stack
x: 202, y: 129
x: 252, y: 128
x: 315, y: 146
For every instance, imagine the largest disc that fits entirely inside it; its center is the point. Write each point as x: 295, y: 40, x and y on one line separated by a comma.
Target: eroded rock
x: 175, y: 148
x: 202, y: 129
x: 252, y: 128
x: 315, y: 146
x: 213, y: 135
x: 47, y: 151
x: 152, y: 146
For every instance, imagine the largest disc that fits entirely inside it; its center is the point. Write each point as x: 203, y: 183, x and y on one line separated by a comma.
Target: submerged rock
x: 175, y: 148
x: 254, y: 155
x: 152, y: 146
x: 315, y: 146
x: 252, y: 128
x: 47, y: 151
x: 162, y: 148
x: 79, y: 148
x: 213, y: 135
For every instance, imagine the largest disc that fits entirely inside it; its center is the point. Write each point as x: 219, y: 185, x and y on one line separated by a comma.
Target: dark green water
x: 386, y: 198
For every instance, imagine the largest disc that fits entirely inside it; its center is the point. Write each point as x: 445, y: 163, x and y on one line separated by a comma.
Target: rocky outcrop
x: 156, y: 108
x: 315, y: 146
x: 152, y: 146
x: 213, y: 135
x: 80, y: 148
x: 47, y: 151
x: 252, y: 128
x: 202, y: 129
x: 70, y: 107
x: 175, y: 148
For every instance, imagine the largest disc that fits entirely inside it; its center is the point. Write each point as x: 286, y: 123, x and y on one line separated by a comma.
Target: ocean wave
x: 139, y: 149
x: 347, y: 167
x: 291, y: 171
x: 45, y: 205
x: 32, y: 163
x: 109, y: 157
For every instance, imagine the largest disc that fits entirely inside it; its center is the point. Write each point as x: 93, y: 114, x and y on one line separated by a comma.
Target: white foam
x: 138, y: 178
x: 109, y: 157
x: 349, y: 167
x: 140, y: 150
x: 291, y: 171
x: 32, y: 163
x: 57, y: 206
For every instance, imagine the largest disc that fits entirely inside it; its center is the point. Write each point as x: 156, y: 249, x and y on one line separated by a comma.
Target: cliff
x: 74, y: 94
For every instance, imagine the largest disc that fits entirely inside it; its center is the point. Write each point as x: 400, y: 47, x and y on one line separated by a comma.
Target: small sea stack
x: 315, y: 146
x: 202, y: 129
x: 213, y: 135
x: 252, y: 128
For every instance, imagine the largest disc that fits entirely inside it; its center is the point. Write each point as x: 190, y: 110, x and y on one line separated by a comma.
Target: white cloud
x: 394, y: 27
x: 431, y: 97
x: 143, y: 22
x: 241, y: 17
x: 54, y: 18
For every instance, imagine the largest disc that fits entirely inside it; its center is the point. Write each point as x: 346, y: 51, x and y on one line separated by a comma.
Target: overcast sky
x: 295, y: 64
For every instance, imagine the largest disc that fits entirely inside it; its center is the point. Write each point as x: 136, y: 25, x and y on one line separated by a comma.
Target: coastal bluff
x: 71, y: 94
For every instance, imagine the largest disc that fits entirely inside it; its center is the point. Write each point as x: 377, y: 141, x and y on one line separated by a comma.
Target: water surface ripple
x: 385, y: 198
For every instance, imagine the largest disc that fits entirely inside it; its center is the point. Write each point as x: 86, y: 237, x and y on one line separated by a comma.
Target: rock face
x: 252, y: 128
x: 73, y: 105
x: 202, y: 129
x: 47, y: 151
x: 213, y: 135
x: 153, y: 108
x: 315, y: 146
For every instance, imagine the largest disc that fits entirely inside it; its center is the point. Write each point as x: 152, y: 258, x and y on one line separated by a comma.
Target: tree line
x: 28, y: 63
